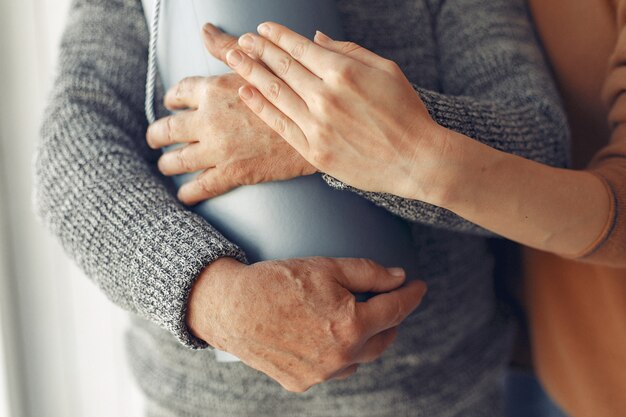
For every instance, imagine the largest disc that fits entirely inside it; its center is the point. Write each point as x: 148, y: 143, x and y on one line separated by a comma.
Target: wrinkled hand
x: 348, y: 111
x: 297, y: 320
x: 222, y: 137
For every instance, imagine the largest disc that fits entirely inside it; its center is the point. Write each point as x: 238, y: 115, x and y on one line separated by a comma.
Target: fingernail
x: 263, y: 29
x: 210, y: 29
x: 234, y: 57
x: 396, y: 272
x: 246, y: 42
x: 322, y: 37
x: 245, y: 92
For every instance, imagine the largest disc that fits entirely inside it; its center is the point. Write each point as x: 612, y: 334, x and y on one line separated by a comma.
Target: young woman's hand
x: 349, y: 112
x: 222, y: 137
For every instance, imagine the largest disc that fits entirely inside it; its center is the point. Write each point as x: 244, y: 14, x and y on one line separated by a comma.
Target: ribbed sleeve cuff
x: 610, y: 246
x: 414, y: 210
x: 166, y: 264
x: 129, y: 234
x: 531, y: 127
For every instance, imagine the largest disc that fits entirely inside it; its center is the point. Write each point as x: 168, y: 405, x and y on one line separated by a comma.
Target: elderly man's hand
x: 222, y: 136
x: 297, y: 320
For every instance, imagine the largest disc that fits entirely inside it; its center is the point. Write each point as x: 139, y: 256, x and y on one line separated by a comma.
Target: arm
x: 97, y: 188
x: 495, y: 88
x: 567, y: 212
x: 576, y: 214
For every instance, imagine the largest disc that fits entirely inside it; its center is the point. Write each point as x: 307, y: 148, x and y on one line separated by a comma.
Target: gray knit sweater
x: 476, y: 65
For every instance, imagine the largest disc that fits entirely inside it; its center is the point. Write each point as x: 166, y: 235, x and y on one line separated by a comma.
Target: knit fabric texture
x: 476, y: 65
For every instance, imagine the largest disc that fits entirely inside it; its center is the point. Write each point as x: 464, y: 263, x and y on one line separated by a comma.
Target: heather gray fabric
x: 268, y: 221
x: 478, y: 70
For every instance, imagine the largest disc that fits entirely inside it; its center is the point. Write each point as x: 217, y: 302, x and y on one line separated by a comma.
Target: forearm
x: 495, y: 89
x: 96, y: 185
x: 556, y: 210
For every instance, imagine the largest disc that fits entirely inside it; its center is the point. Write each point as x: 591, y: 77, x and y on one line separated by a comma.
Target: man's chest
x: 400, y: 30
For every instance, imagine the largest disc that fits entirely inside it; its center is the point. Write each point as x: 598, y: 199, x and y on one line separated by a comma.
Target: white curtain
x: 61, y: 347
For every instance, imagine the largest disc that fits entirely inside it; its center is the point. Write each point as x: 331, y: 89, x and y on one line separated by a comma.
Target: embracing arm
x: 97, y: 186
x: 495, y: 89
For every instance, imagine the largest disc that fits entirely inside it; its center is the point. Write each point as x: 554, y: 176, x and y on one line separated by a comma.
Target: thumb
x: 352, y: 50
x: 364, y: 275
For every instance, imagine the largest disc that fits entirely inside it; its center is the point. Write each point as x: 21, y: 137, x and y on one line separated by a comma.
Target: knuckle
x: 348, y: 47
x: 259, y: 106
x: 392, y: 67
x: 369, y: 264
x: 399, y: 310
x: 280, y: 125
x: 261, y: 43
x: 296, y: 388
x: 299, y: 49
x: 180, y: 87
x: 170, y: 127
x: 184, y: 159
x: 276, y: 34
x: 320, y: 157
x: 354, y: 329
x: 204, y: 182
x: 344, y: 73
x: 273, y: 90
x: 283, y: 66
x: 247, y: 66
x: 327, y: 103
x: 225, y: 45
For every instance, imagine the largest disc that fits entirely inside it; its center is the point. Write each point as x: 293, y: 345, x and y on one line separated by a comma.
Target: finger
x: 275, y: 119
x: 273, y: 88
x: 315, y: 58
x: 183, y: 160
x: 345, y: 373
x: 355, y: 51
x: 377, y: 345
x: 186, y: 94
x: 209, y: 184
x: 218, y: 42
x: 177, y: 128
x: 300, y: 79
x: 364, y: 275
x: 388, y: 310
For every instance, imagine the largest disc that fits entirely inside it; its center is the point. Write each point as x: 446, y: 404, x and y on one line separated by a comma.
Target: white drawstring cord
x: 152, y: 63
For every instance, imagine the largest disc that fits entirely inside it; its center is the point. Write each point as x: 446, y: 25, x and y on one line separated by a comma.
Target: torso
x: 459, y: 315
x: 576, y: 310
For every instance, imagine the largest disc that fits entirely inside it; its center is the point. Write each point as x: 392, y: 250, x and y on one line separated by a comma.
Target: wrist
x: 450, y: 171
x: 433, y: 167
x: 207, y: 296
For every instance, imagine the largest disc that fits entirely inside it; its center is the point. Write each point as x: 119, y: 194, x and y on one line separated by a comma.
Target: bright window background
x: 61, y: 346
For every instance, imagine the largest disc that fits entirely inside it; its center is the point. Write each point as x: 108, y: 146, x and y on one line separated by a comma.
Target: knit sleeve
x: 97, y: 188
x: 610, y: 163
x: 495, y: 87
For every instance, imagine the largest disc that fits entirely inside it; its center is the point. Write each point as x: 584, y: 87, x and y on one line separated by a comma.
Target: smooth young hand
x: 349, y: 112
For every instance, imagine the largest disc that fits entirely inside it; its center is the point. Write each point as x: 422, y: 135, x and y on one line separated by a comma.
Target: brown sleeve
x: 610, y: 163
